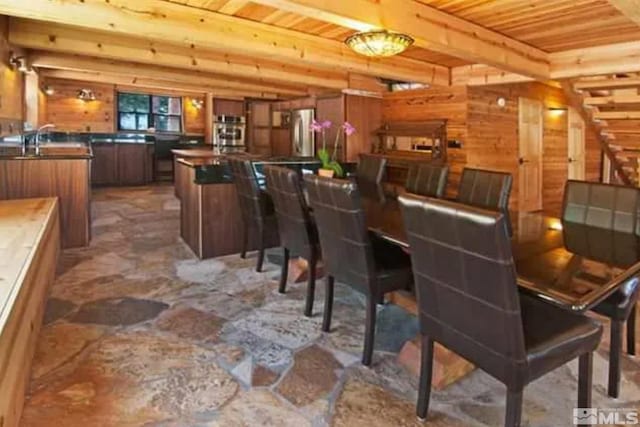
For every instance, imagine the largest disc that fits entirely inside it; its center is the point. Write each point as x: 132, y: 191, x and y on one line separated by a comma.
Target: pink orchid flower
x: 326, y: 124
x: 348, y: 128
x: 316, y: 126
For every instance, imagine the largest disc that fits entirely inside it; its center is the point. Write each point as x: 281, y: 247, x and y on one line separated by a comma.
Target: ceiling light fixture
x: 86, y: 95
x: 379, y: 43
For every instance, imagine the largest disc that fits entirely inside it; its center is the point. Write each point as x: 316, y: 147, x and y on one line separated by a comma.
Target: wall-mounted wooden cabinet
x: 122, y: 164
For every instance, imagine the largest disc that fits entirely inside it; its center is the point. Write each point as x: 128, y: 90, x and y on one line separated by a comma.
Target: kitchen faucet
x: 40, y: 129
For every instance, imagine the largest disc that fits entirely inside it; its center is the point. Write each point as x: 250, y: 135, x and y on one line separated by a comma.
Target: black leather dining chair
x: 351, y: 255
x: 468, y: 301
x: 371, y: 169
x: 609, y: 216
x: 488, y: 190
x: 256, y: 208
x: 427, y: 179
x: 298, y: 232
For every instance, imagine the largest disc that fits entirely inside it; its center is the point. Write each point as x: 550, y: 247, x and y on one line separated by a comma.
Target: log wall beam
x: 431, y: 28
x: 63, y: 39
x: 191, y: 28
x: 58, y: 61
x: 148, y: 83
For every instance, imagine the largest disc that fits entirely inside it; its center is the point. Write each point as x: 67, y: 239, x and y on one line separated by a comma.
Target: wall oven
x: 229, y: 134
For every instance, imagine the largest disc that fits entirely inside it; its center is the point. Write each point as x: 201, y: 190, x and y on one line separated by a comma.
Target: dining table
x: 570, y: 265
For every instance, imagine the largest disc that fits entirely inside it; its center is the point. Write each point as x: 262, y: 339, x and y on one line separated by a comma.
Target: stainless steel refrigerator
x: 302, y: 137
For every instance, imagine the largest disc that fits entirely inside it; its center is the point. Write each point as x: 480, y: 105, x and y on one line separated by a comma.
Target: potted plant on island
x: 330, y: 166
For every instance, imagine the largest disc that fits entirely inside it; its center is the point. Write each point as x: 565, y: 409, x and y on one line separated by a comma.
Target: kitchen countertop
x: 23, y: 224
x: 208, y: 170
x: 68, y: 150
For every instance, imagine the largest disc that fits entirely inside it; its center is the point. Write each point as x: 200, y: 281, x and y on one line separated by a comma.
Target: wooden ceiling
x: 550, y: 25
x: 287, y: 48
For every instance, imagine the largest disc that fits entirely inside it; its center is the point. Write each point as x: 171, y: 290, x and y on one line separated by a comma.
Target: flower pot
x: 327, y: 173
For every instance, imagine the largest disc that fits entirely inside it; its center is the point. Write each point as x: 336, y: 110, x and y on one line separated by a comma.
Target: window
x: 140, y: 112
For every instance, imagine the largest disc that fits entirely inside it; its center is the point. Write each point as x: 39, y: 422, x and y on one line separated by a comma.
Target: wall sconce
x: 86, y: 95
x: 48, y: 90
x: 557, y: 111
x: 20, y: 62
x: 501, y: 102
x: 197, y: 103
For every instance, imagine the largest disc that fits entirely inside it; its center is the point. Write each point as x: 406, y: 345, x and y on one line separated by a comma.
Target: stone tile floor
x: 139, y: 333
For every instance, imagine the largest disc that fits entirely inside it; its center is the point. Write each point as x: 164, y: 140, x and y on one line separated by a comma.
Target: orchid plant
x: 329, y: 161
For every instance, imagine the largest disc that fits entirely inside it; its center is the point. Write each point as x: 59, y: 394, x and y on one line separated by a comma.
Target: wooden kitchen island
x: 29, y: 248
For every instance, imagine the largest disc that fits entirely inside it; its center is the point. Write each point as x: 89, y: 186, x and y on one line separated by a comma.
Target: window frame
x: 151, y: 115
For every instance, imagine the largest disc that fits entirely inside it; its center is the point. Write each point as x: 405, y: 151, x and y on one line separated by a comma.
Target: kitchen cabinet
x: 122, y: 164
x: 104, y: 167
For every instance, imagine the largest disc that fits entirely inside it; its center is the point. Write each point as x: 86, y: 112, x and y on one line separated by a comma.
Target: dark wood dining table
x: 573, y: 266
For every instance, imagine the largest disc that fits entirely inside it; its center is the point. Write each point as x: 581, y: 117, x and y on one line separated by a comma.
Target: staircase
x: 599, y: 105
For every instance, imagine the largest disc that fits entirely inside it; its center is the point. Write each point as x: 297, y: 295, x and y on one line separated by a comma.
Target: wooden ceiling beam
x: 59, y: 61
x: 431, y: 28
x: 629, y: 8
x: 608, y: 84
x: 153, y: 84
x: 193, y: 28
x: 607, y: 59
x: 612, y: 100
x: 616, y: 115
x: 64, y: 39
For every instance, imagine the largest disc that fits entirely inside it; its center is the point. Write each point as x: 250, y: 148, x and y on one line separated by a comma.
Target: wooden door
x: 530, y: 155
x: 576, y: 146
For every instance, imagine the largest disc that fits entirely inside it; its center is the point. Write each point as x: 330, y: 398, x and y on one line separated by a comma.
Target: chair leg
x: 284, y: 272
x: 614, y: 358
x: 370, y: 330
x: 426, y: 372
x: 311, y: 286
x: 513, y: 413
x: 631, y: 331
x: 245, y: 243
x: 585, y: 374
x: 260, y: 250
x: 328, y: 305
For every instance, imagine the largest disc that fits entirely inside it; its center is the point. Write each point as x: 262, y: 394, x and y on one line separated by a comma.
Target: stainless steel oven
x: 229, y: 133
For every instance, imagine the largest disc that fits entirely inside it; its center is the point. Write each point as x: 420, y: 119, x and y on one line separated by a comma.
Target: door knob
x: 571, y: 160
x: 522, y: 160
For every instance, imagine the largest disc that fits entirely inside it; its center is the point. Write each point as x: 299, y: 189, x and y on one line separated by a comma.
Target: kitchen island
x: 210, y: 218
x: 211, y: 221
x: 29, y: 249
x: 61, y: 170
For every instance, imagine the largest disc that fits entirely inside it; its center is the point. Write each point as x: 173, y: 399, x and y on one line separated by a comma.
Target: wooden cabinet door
x: 104, y: 169
x: 132, y: 164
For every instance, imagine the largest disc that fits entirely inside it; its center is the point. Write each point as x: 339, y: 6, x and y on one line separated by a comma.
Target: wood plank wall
x: 489, y: 133
x: 436, y: 103
x: 193, y: 117
x: 11, y: 88
x: 71, y: 114
x: 492, y: 140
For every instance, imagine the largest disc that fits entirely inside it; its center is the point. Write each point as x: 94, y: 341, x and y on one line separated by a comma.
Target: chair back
x: 371, y: 169
x: 465, y: 281
x: 253, y: 203
x: 342, y: 229
x: 297, y: 231
x: 427, y: 179
x: 602, y: 221
x: 488, y: 190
